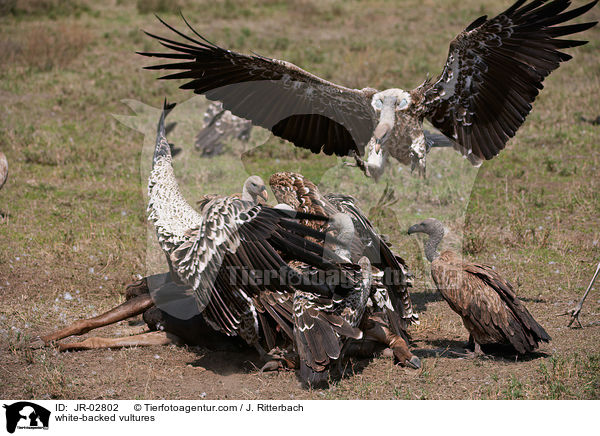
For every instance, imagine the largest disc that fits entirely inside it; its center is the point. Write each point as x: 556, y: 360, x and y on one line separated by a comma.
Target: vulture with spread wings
x: 493, y: 73
x: 233, y: 250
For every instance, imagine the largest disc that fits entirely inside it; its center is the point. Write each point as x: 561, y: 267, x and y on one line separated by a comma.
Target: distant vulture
x: 494, y: 71
x: 3, y: 169
x: 486, y: 302
x: 211, y: 251
x: 220, y: 125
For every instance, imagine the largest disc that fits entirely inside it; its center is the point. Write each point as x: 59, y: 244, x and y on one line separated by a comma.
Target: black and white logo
x: 26, y: 415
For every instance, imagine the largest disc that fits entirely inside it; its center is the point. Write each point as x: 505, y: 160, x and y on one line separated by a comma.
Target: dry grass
x: 44, y: 46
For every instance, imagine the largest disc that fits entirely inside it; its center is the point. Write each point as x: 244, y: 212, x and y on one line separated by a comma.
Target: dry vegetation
x: 73, y: 229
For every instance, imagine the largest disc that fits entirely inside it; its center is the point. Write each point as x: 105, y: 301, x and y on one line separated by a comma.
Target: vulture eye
x: 403, y: 104
x: 378, y: 104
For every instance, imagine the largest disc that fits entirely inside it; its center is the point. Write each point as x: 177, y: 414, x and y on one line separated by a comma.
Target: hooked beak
x: 381, y: 132
x: 264, y: 194
x: 413, y: 229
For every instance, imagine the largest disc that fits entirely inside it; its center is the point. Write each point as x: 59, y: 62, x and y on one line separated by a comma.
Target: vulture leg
x: 132, y: 307
x: 477, y: 351
x: 359, y: 163
x: 574, y: 312
x: 143, y: 339
x: 376, y: 329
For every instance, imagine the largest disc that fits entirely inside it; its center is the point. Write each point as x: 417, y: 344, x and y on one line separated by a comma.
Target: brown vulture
x: 493, y: 73
x: 486, y: 302
x: 357, y: 241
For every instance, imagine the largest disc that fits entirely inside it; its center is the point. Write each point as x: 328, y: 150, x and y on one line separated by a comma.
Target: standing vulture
x: 487, y: 303
x: 493, y: 73
x: 212, y: 251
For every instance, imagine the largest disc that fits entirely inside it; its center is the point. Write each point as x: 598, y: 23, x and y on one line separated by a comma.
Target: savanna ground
x: 73, y: 230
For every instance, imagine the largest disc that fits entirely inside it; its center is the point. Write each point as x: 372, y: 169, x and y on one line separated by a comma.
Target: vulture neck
x: 431, y: 246
x: 246, y: 196
x: 342, y: 244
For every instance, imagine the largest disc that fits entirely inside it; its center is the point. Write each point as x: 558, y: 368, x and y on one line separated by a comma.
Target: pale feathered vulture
x: 213, y: 251
x: 486, y: 302
x: 3, y: 169
x: 219, y: 126
x: 493, y: 73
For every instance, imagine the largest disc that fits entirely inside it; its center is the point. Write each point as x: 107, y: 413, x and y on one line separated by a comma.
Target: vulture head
x: 435, y: 230
x: 255, y: 190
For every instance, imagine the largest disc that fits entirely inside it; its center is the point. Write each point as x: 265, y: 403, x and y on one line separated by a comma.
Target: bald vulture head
x: 435, y: 230
x: 255, y: 189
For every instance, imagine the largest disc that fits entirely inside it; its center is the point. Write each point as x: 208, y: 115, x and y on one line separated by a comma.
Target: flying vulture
x: 486, y: 302
x: 213, y: 251
x: 493, y: 73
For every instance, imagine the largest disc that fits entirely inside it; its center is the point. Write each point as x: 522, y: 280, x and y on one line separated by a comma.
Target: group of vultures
x: 309, y: 281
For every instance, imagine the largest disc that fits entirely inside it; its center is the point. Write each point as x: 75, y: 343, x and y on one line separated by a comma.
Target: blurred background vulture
x: 493, y: 73
x: 220, y: 125
x: 486, y: 302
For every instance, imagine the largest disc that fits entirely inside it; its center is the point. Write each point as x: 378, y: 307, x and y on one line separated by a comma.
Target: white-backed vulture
x: 485, y: 301
x: 212, y: 251
x: 493, y: 73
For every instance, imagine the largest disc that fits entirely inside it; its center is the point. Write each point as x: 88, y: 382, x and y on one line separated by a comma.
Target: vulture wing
x: 522, y: 329
x: 323, y: 325
x: 494, y: 71
x: 294, y: 104
x: 213, y: 251
x: 486, y: 302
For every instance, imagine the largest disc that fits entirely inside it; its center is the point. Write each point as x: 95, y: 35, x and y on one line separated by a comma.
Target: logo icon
x: 26, y: 415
